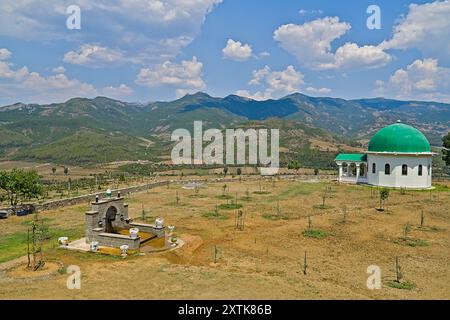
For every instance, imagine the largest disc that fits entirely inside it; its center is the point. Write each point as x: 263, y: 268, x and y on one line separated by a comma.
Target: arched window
x: 352, y: 169
x: 429, y: 169
x: 374, y: 168
x: 345, y: 168
x: 387, y: 169
x: 420, y: 169
x: 404, y: 170
x: 362, y: 171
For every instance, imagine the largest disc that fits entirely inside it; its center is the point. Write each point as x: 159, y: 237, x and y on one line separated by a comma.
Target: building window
x: 374, y: 168
x: 429, y: 169
x: 420, y: 170
x: 387, y: 169
x: 363, y: 170
x: 404, y: 170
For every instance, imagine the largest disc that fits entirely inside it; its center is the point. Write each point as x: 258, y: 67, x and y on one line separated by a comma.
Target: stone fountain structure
x: 108, y: 225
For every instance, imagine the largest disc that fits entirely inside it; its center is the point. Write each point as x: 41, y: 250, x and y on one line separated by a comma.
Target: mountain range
x: 86, y: 131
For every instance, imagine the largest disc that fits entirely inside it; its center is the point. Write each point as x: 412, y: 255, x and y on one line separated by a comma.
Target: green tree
x: 295, y: 165
x: 446, y: 151
x: 20, y: 185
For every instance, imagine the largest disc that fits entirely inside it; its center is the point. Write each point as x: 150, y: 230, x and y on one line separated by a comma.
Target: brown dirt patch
x: 23, y: 272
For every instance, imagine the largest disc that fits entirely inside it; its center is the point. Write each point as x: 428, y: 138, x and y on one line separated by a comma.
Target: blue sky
x: 146, y: 50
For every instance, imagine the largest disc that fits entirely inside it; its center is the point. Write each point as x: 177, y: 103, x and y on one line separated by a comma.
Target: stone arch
x: 110, y: 216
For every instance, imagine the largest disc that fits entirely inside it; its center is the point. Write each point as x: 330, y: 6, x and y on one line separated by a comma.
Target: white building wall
x: 396, y: 179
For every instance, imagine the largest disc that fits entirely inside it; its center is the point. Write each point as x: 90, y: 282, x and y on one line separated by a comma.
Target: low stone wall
x: 54, y: 204
x: 148, y: 228
x: 116, y: 240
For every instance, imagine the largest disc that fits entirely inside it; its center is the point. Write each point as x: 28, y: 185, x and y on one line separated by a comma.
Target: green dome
x: 399, y: 137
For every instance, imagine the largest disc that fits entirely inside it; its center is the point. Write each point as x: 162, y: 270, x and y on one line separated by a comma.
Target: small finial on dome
x: 399, y: 121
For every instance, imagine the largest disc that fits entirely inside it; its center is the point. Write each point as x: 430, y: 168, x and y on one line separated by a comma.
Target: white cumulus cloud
x: 118, y: 92
x: 59, y: 69
x: 237, y: 51
x: 318, y: 90
x: 184, y: 77
x: 350, y: 55
x: 33, y: 87
x: 311, y: 43
x: 273, y: 83
x: 421, y: 80
x: 120, y: 24
x: 425, y: 27
x: 4, y: 54
x: 93, y: 55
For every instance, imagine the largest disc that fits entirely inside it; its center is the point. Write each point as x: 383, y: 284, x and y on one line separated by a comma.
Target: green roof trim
x: 399, y: 138
x: 360, y: 157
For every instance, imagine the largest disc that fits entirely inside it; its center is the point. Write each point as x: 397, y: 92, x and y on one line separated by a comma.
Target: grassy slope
x: 86, y: 147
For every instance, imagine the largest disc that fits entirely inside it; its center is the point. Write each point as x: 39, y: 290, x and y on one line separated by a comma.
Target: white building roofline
x: 432, y: 154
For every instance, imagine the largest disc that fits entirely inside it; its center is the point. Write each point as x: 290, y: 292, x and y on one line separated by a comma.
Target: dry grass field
x: 265, y: 260
x: 45, y: 170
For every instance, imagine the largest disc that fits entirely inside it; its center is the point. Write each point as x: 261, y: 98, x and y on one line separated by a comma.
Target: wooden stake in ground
x: 324, y: 197
x: 384, y: 195
x: 41, y: 257
x: 28, y: 248
x: 240, y: 220
x: 143, y: 214
x: 398, y: 270
x: 422, y: 218
x: 309, y: 222
x: 33, y: 237
x: 305, y: 264
x: 406, y: 231
x: 216, y: 252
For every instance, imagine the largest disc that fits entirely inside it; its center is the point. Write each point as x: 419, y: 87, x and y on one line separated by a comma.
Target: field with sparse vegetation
x: 298, y: 240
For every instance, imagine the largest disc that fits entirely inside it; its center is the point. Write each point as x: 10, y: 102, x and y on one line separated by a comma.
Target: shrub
x: 315, y: 233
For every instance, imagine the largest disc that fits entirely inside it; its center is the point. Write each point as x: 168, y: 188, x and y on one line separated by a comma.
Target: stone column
x: 340, y: 172
x: 358, y: 170
x: 91, y: 222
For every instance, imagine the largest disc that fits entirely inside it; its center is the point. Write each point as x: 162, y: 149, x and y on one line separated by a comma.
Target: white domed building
x: 398, y: 156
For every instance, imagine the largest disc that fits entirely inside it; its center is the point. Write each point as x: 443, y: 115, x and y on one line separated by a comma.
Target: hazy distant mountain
x: 123, y: 130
